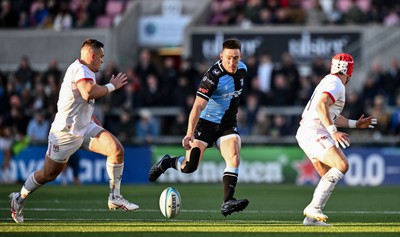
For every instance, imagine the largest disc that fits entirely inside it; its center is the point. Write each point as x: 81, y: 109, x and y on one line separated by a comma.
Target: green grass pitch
x: 274, y: 210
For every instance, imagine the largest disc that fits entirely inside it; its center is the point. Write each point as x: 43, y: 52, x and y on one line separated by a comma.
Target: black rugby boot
x: 233, y: 205
x: 156, y: 170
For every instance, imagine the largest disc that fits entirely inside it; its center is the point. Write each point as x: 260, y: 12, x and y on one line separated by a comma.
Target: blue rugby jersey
x: 222, y: 91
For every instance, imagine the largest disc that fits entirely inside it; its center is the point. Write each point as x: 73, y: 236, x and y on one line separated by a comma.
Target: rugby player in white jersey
x: 75, y: 126
x: 319, y: 138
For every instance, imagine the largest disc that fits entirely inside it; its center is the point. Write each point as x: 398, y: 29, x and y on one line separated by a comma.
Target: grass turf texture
x: 274, y: 210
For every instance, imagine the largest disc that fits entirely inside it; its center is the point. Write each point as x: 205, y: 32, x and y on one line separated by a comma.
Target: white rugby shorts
x: 62, y: 144
x: 314, y: 143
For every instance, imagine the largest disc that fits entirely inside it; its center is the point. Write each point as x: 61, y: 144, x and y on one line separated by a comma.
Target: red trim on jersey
x: 81, y: 62
x: 84, y: 79
x: 330, y: 95
x: 49, y: 150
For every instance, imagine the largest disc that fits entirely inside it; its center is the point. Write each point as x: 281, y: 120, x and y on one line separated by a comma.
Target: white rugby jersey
x: 333, y: 86
x: 73, y: 112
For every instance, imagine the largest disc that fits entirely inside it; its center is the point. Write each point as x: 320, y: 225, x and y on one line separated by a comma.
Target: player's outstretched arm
x: 89, y: 90
x: 362, y: 122
x: 368, y: 122
x: 119, y: 81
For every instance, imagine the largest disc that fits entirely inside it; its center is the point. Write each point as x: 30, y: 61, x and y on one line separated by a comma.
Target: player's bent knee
x: 235, y: 161
x: 115, y: 150
x: 343, y: 167
x: 120, y: 150
x: 192, y: 164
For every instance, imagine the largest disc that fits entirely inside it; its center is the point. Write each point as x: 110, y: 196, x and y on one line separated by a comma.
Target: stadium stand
x: 270, y: 115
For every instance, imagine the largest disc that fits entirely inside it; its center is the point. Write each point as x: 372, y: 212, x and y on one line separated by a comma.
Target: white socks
x: 179, y: 163
x: 114, y: 172
x: 29, y: 186
x: 325, y: 187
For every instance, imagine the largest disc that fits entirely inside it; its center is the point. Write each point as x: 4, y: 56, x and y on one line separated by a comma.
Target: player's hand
x: 119, y: 81
x: 369, y: 122
x: 187, y: 140
x: 341, y: 138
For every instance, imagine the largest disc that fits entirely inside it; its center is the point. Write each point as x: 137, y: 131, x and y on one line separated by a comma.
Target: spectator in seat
x: 168, y: 79
x: 354, y: 15
x: 279, y: 126
x: 53, y: 69
x: 295, y: 13
x: 40, y: 14
x: 123, y: 129
x: 251, y: 110
x: 379, y: 111
x: 25, y: 74
x: 178, y: 126
x: 147, y: 128
x: 315, y: 15
x: 395, y: 120
x: 6, y: 141
x: 145, y: 66
x: 63, y: 19
x: 8, y: 17
x: 391, y: 81
x: 152, y: 95
x: 38, y: 129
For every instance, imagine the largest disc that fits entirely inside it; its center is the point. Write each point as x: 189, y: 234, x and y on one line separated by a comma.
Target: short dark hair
x: 95, y: 44
x: 232, y: 44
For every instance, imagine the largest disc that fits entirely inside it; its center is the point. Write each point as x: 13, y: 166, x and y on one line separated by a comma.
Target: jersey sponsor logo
x: 203, y: 90
x: 206, y: 79
x: 320, y: 141
x: 91, y: 102
x: 216, y: 72
x: 56, y: 148
x: 232, y: 95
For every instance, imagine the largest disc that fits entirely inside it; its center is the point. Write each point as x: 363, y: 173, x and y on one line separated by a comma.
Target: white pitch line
x: 200, y: 211
x: 150, y: 220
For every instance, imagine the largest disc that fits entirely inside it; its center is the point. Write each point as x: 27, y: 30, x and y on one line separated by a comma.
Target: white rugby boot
x: 316, y: 213
x: 17, y: 210
x: 309, y: 221
x: 118, y: 202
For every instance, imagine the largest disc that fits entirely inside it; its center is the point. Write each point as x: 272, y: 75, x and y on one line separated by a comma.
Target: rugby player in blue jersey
x: 213, y: 120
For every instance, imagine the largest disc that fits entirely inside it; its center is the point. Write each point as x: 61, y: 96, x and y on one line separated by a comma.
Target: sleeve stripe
x: 84, y: 79
x: 330, y: 95
x: 203, y: 96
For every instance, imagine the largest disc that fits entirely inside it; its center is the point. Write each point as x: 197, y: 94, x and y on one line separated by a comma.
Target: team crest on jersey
x: 206, y: 79
x: 241, y: 82
x: 216, y: 72
x: 56, y: 148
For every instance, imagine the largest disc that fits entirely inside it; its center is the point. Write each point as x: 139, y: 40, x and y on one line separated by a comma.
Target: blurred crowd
x: 29, y: 98
x: 304, y: 12
x: 67, y: 14
x: 55, y: 14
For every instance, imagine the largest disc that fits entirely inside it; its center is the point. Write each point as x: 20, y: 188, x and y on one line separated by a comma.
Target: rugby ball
x: 170, y: 202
